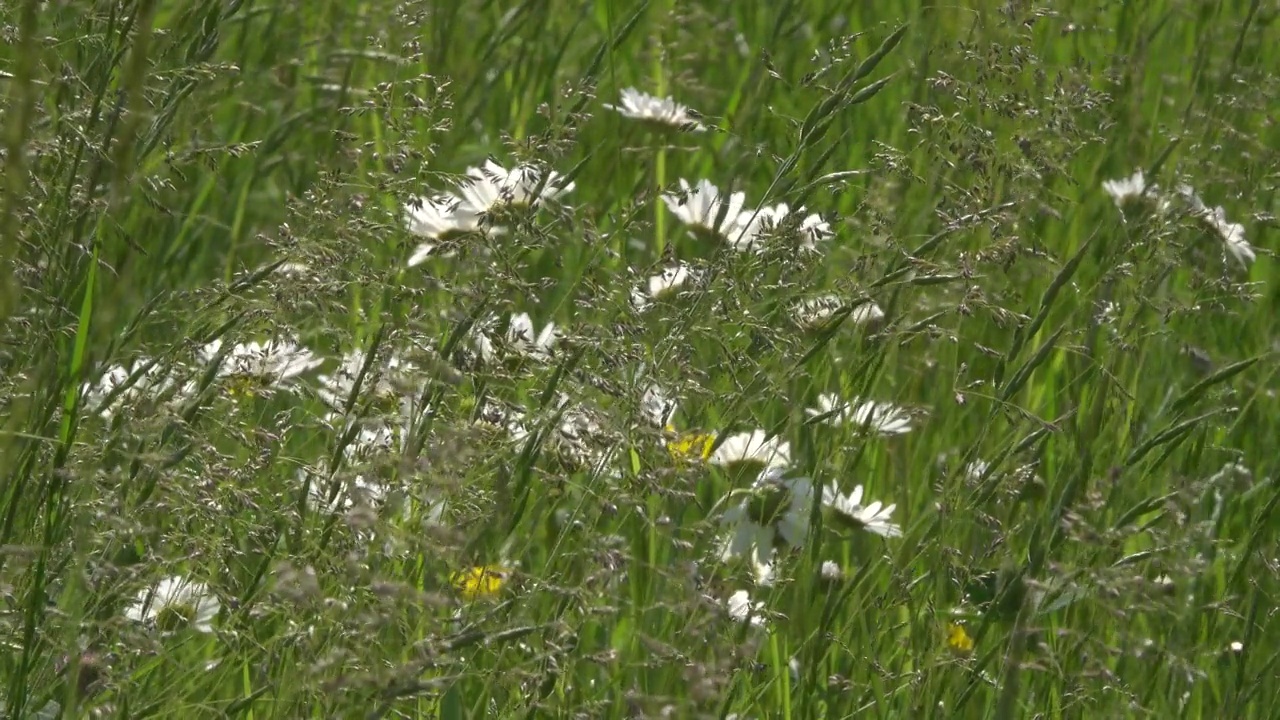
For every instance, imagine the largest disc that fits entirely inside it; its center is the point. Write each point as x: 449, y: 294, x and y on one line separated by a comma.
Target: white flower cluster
x: 775, y: 508
x: 1134, y: 191
x: 704, y: 208
x: 469, y: 207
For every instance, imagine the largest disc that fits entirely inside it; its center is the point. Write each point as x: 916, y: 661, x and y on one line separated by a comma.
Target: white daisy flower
x: 1130, y: 189
x: 764, y: 573
x: 749, y: 539
x: 374, y: 438
x: 976, y: 469
x: 883, y: 418
x: 751, y: 224
x: 648, y: 108
x: 173, y: 602
x: 1191, y: 197
x: 521, y: 335
x: 151, y: 381
x: 813, y: 230
x: 262, y: 366
x: 774, y: 506
x: 358, y: 491
x: 669, y: 280
x: 662, y: 285
x: 848, y: 510
x: 742, y: 609
x: 493, y: 186
x: 578, y: 425
x: 1232, y: 472
x: 753, y: 447
x: 387, y: 380
x: 657, y: 406
x: 290, y: 269
x: 1232, y: 235
x: 482, y: 340
x: 831, y: 571
x: 294, y: 269
x: 582, y: 451
x: 816, y: 312
x: 508, y: 420
x: 703, y: 207
x: 437, y: 218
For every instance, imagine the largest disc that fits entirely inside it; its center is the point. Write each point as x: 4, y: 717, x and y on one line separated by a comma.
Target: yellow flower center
x: 175, y: 616
x: 769, y: 503
x: 248, y: 386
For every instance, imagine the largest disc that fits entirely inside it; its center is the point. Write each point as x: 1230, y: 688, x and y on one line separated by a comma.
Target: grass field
x: 376, y: 359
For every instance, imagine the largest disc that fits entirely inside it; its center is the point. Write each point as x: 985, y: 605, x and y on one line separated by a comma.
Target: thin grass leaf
x: 1168, y: 435
x: 1195, y: 392
x: 1024, y: 372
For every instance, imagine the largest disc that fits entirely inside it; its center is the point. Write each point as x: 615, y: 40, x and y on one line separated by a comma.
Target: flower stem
x: 660, y: 163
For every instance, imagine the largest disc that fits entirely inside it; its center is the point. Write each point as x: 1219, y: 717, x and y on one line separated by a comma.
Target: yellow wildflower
x: 480, y: 582
x: 689, y: 446
x: 959, y: 640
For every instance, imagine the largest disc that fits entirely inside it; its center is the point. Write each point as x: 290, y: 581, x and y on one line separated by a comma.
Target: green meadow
x: 639, y: 359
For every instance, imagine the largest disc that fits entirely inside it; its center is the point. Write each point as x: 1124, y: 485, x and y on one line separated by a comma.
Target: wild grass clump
x: 662, y: 359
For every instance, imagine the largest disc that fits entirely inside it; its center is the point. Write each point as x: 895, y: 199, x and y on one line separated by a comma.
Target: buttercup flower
x: 482, y: 582
x: 958, y: 640
x: 690, y: 446
x: 641, y: 106
x: 883, y: 418
x: 849, y: 511
x: 175, y: 602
